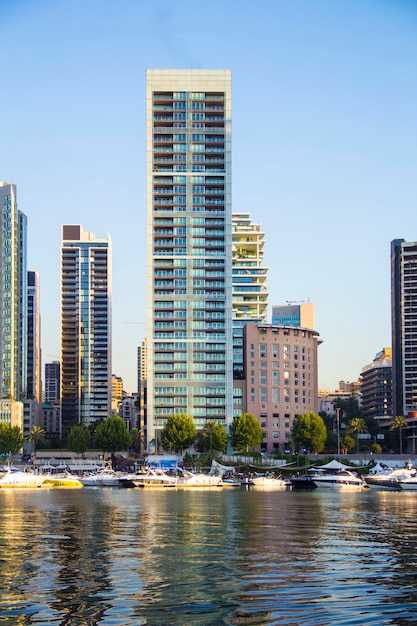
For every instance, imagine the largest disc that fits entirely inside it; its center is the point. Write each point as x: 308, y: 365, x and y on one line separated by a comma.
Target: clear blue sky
x: 324, y: 146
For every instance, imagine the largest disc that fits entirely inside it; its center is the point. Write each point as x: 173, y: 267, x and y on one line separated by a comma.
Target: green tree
x: 309, y: 431
x: 347, y: 443
x: 399, y: 422
x: 112, y: 435
x: 245, y: 432
x: 357, y: 425
x: 36, y: 435
x: 179, y: 433
x: 349, y: 408
x: 92, y: 430
x: 78, y: 439
x: 376, y: 448
x: 213, y: 438
x: 11, y: 439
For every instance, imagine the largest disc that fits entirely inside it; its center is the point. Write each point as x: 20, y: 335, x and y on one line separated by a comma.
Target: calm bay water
x: 193, y: 558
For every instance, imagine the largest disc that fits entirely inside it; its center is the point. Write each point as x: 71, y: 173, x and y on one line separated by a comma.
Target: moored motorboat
x: 408, y: 484
x: 303, y: 482
x: 344, y: 479
x: 269, y: 482
x: 231, y: 481
x: 154, y: 478
x: 14, y: 478
x: 105, y: 477
x: 389, y: 479
x: 63, y: 479
x: 191, y: 479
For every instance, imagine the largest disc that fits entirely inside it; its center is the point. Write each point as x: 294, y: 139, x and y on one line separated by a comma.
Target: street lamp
x: 338, y: 430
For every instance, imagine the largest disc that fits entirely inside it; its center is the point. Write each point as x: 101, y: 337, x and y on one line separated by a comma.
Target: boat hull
x: 408, y: 485
x: 343, y: 480
x: 303, y: 482
x: 382, y: 484
x: 263, y: 482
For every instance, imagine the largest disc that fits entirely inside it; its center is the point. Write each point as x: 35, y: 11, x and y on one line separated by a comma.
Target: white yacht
x: 344, y: 479
x: 389, y: 479
x: 11, y: 477
x: 268, y: 482
x: 153, y: 478
x: 105, y: 477
x: 189, y: 479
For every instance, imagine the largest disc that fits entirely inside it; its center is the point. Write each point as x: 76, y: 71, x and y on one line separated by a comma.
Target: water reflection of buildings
x: 54, y: 551
x: 230, y: 546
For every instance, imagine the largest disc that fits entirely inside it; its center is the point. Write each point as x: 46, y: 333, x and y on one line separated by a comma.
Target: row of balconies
x: 204, y: 127
x: 169, y: 180
x: 200, y: 169
x: 187, y: 137
x: 208, y: 191
x: 165, y: 123
x: 182, y: 201
x: 169, y: 97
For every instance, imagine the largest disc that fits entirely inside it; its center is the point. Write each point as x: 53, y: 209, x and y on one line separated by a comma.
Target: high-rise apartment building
x: 85, y: 326
x: 34, y: 365
x: 13, y: 296
x: 142, y: 364
x: 116, y: 393
x: 189, y: 247
x: 404, y: 327
x: 250, y: 295
x: 376, y: 388
x: 52, y: 382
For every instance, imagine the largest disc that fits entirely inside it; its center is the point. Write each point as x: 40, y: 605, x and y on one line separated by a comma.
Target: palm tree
x: 357, y: 425
x: 399, y: 422
x: 36, y: 435
x: 138, y: 438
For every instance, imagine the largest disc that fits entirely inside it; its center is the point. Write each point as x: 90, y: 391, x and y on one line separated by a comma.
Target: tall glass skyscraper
x: 85, y: 327
x: 34, y: 365
x: 404, y: 330
x: 189, y: 247
x: 13, y: 296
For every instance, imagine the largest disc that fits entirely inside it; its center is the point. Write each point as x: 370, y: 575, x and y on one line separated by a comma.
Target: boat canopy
x: 335, y: 465
x: 218, y: 468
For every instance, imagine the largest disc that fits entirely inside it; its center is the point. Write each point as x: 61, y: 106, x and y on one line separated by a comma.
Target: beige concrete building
x: 281, y: 378
x: 116, y: 393
x: 11, y: 413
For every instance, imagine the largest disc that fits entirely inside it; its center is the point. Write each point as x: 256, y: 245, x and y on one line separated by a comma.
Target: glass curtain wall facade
x: 85, y: 327
x: 13, y: 295
x: 404, y: 328
x: 250, y: 295
x: 376, y: 388
x: 189, y: 247
x: 52, y: 381
x: 34, y: 365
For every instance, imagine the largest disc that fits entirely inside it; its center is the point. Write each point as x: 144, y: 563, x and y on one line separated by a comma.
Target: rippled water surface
x: 131, y: 557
